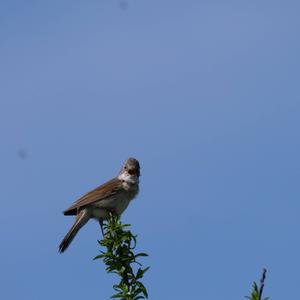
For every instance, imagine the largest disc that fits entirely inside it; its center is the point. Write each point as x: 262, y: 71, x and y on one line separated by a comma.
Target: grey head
x: 131, y: 167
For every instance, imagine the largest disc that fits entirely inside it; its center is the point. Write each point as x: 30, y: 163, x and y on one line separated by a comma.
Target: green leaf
x: 139, y: 274
x: 120, y: 295
x: 145, y: 270
x: 143, y: 289
x: 141, y: 254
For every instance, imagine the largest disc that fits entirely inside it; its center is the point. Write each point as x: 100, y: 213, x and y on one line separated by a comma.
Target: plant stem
x: 262, y: 282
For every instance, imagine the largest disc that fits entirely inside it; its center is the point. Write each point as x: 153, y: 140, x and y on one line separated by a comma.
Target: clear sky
x: 204, y: 93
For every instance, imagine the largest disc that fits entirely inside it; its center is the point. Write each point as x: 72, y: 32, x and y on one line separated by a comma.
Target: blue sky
x: 204, y: 93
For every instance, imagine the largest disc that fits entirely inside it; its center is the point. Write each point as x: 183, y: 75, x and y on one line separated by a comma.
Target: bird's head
x: 131, y: 167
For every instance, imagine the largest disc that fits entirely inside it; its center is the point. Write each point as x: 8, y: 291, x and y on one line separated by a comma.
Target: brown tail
x: 81, y: 220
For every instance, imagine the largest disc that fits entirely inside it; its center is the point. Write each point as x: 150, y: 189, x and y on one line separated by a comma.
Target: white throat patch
x: 129, y: 179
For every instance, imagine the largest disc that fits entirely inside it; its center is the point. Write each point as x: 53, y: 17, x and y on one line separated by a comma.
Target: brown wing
x: 109, y: 188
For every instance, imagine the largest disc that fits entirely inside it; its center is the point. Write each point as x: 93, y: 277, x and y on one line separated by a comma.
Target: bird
x: 110, y: 198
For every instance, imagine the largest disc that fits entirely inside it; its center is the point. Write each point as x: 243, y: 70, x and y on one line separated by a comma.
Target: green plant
x: 256, y: 293
x: 120, y: 259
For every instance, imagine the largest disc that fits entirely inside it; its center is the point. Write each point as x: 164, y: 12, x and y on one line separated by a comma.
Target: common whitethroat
x: 109, y: 198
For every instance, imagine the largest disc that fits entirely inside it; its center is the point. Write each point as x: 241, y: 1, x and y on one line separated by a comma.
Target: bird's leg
x: 101, y: 226
x: 112, y: 213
